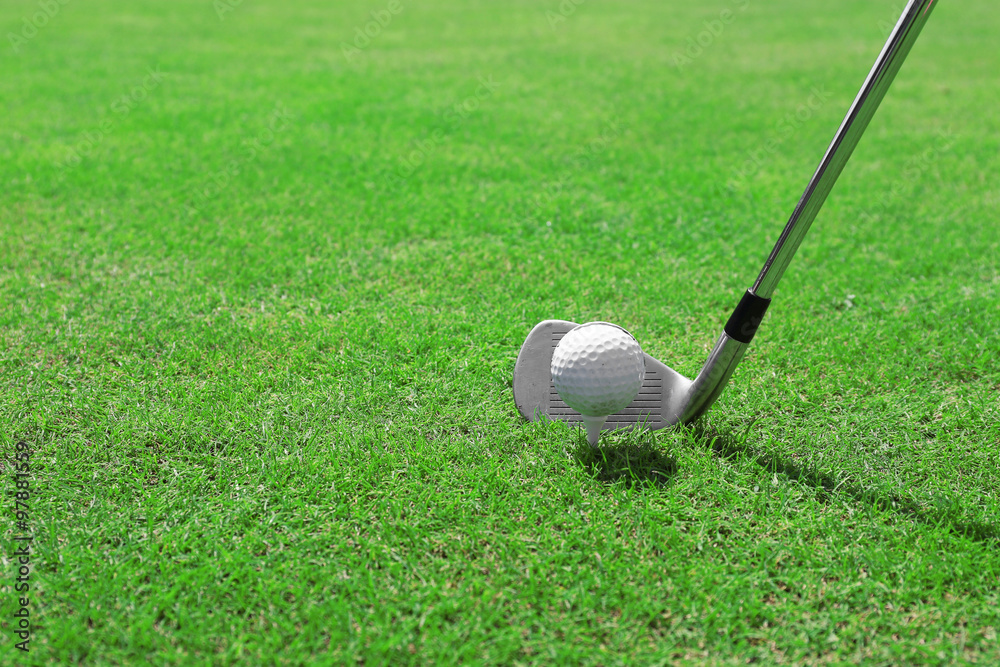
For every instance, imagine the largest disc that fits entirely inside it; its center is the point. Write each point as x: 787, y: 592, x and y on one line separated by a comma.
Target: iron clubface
x: 666, y: 397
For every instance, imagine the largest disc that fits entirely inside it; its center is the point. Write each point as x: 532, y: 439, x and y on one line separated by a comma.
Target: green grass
x: 267, y: 385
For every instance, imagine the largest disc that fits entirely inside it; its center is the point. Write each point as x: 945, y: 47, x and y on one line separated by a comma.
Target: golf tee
x: 594, y: 425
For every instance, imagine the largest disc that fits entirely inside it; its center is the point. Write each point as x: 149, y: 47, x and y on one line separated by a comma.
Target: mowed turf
x: 263, y: 282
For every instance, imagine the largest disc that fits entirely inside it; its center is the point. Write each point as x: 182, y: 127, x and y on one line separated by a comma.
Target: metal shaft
x: 884, y: 71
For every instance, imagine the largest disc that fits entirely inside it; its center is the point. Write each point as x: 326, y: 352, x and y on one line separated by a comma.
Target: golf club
x: 668, y: 397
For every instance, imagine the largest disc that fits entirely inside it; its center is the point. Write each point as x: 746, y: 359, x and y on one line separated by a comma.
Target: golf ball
x: 598, y: 369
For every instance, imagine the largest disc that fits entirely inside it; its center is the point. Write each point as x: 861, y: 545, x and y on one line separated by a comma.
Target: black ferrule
x: 743, y: 323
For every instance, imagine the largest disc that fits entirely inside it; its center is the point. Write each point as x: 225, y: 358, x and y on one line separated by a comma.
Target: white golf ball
x: 598, y: 369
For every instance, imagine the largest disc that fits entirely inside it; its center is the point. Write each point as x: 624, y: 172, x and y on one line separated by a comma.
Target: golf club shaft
x: 893, y: 54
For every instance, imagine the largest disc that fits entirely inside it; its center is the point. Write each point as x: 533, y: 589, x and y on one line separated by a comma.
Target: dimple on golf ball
x: 598, y: 369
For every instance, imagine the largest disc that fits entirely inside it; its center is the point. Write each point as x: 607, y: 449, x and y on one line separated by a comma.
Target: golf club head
x: 656, y: 405
x: 665, y: 399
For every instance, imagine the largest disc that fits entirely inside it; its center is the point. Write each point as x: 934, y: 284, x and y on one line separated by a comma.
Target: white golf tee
x: 594, y: 425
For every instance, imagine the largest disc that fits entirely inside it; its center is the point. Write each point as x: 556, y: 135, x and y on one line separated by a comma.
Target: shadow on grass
x: 636, y: 461
x: 944, y: 511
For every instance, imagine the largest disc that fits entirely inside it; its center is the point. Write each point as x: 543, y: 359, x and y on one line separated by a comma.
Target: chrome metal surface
x: 872, y: 91
x: 722, y: 361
